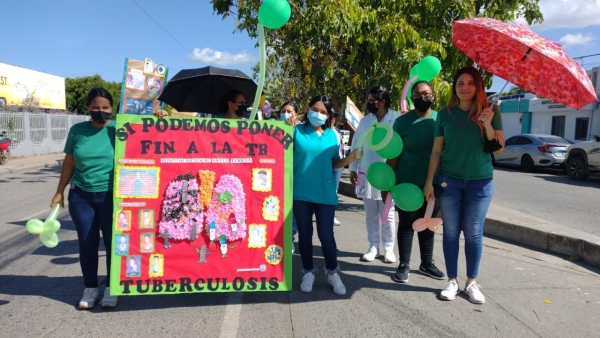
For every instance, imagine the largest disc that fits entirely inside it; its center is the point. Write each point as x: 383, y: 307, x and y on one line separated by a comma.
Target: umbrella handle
x: 261, y: 77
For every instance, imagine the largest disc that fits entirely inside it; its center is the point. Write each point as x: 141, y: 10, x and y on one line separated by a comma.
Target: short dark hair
x: 381, y: 93
x: 98, y: 92
x: 291, y: 104
x: 229, y: 97
x: 416, y: 84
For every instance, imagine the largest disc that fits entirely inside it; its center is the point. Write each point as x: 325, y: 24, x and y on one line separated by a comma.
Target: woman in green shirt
x: 465, y: 174
x: 89, y: 166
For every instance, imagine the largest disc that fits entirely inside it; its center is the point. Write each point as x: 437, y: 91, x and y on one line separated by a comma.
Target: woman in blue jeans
x: 316, y: 154
x: 88, y: 165
x: 465, y: 174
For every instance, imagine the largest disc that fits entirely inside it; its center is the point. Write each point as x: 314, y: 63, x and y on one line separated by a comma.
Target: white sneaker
x: 389, y: 256
x: 450, y: 291
x: 335, y: 281
x: 108, y: 300
x: 307, y: 282
x: 336, y: 222
x: 370, y: 255
x: 90, y: 295
x: 475, y: 295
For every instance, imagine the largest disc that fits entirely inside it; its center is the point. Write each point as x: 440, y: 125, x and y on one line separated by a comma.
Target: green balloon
x: 408, y: 197
x: 381, y: 176
x: 274, y: 13
x: 378, y: 135
x: 429, y: 67
x: 35, y: 226
x: 414, y: 71
x: 393, y: 149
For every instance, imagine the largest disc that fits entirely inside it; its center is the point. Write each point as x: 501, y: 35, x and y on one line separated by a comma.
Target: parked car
x: 534, y: 150
x: 583, y: 159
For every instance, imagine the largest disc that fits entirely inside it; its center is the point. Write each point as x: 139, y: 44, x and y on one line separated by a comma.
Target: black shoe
x: 431, y: 270
x: 401, y: 275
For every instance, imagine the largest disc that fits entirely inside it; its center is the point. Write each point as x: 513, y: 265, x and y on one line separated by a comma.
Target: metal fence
x: 37, y: 133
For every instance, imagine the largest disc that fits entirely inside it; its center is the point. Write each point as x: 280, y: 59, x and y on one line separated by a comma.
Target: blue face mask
x: 316, y: 119
x: 284, y: 117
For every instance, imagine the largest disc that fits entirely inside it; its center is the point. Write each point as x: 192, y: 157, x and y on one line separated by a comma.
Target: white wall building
x: 527, y: 114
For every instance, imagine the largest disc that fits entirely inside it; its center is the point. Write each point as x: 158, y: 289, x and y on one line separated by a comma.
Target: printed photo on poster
x: 147, y: 242
x: 262, y: 179
x: 122, y: 248
x: 134, y: 266
x: 257, y: 236
x: 146, y: 219
x: 135, y: 79
x: 154, y: 87
x: 138, y: 106
x: 157, y: 266
x: 271, y: 208
x: 124, y: 220
x: 137, y: 182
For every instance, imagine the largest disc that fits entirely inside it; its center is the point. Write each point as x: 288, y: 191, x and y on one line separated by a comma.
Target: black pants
x: 405, y: 235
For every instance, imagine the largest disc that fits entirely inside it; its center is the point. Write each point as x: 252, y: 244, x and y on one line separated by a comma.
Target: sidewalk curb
x: 19, y: 169
x: 585, y: 250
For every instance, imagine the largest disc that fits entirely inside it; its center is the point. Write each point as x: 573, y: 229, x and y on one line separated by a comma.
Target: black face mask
x: 423, y: 104
x: 100, y: 116
x: 371, y: 108
x: 241, y: 110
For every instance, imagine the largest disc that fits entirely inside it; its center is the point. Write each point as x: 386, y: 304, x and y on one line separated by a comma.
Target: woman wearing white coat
x: 378, y: 105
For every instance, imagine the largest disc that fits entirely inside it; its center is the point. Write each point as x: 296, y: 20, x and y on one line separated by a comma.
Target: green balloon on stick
x: 408, y: 197
x: 274, y: 13
x: 392, y: 149
x: 381, y: 176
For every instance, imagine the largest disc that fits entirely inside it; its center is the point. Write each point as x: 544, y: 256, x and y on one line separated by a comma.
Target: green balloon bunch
x: 426, y: 70
x: 388, y: 144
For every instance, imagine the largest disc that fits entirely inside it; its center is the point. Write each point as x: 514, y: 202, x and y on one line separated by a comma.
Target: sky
x: 73, y: 38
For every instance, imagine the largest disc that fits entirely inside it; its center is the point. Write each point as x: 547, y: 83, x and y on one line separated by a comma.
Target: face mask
x: 316, y: 119
x: 371, y: 108
x: 284, y: 117
x: 241, y: 110
x: 423, y: 104
x: 100, y: 116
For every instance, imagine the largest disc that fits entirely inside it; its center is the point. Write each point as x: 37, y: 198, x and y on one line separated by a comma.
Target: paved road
x: 39, y: 288
x: 550, y: 195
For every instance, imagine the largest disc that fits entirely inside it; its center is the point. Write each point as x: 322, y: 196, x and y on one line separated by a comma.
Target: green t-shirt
x: 94, y: 152
x: 463, y: 157
x: 417, y: 135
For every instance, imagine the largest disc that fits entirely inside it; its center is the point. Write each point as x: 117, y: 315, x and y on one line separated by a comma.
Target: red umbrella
x: 518, y: 55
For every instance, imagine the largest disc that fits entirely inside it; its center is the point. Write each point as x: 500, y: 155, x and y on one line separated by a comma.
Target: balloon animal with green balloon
x: 428, y: 68
x: 47, y: 230
x: 272, y: 14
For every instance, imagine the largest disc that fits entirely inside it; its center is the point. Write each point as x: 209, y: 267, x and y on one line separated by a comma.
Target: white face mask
x: 285, y: 116
x: 316, y: 119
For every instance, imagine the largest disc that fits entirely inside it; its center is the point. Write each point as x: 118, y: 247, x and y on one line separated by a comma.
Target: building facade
x: 528, y: 114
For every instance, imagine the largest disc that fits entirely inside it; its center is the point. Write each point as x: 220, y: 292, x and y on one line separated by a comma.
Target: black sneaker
x: 401, y: 275
x: 431, y: 270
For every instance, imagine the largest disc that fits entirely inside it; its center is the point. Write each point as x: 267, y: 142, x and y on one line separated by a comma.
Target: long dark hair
x: 327, y: 103
x: 291, y: 104
x: 98, y: 92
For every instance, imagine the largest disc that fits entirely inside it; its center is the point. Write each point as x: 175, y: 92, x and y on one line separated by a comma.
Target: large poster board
x: 201, y: 205
x: 143, y: 82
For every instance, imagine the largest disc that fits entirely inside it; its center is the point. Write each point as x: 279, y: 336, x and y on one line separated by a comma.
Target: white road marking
x: 231, y: 319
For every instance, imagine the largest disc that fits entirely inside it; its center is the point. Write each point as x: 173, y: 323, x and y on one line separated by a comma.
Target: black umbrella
x: 200, y: 90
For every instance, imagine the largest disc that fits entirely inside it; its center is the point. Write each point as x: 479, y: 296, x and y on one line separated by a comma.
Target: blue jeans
x: 464, y: 205
x: 92, y: 213
x: 303, y: 212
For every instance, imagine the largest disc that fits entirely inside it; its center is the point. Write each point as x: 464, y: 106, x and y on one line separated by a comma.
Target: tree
x: 76, y: 90
x: 344, y: 47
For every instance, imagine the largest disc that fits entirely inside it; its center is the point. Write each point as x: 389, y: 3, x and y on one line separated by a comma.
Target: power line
x: 585, y: 56
x: 159, y: 25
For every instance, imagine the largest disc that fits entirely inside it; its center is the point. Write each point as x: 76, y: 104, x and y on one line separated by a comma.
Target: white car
x: 583, y: 159
x: 534, y: 150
